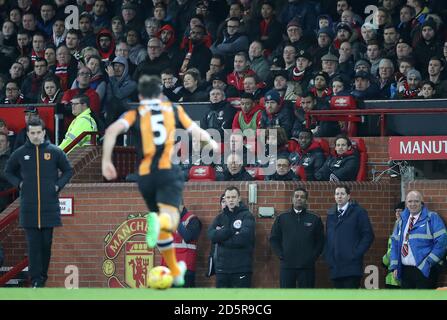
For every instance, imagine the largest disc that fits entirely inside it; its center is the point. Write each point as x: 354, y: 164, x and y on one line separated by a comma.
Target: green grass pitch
x: 217, y: 294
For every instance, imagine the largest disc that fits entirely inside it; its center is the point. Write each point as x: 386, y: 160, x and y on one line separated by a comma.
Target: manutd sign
x: 138, y: 258
x: 418, y: 148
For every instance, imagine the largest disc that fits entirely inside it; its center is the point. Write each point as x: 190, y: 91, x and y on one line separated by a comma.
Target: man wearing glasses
x: 283, y: 171
x: 82, y: 87
x: 13, y: 94
x: 230, y: 41
x: 82, y: 123
x: 156, y: 60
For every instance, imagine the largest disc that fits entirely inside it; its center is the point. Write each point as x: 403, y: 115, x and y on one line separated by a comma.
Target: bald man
x: 418, y: 245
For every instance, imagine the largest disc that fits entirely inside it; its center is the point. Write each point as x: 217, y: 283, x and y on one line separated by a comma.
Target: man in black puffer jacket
x: 307, y: 153
x: 233, y: 233
x: 220, y: 114
x: 33, y: 168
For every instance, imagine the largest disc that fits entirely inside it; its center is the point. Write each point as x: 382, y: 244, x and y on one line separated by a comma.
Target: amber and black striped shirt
x: 154, y: 123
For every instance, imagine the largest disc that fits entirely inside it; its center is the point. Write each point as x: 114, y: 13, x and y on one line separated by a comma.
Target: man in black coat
x: 306, y: 152
x: 34, y: 169
x: 220, y: 113
x: 196, y: 54
x: 276, y: 113
x: 235, y: 170
x: 156, y: 61
x: 283, y: 170
x: 297, y: 238
x: 349, y: 235
x: 233, y: 233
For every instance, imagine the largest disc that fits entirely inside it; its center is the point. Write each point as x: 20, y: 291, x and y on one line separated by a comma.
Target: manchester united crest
x: 138, y: 258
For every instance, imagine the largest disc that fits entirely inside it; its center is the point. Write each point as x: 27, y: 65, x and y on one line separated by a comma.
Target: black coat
x: 283, y: 118
x: 200, y: 58
x: 36, y: 167
x: 152, y: 67
x: 311, y: 159
x: 235, y: 240
x: 297, y: 238
x: 219, y: 117
x: 274, y: 33
x: 347, y: 240
x: 242, y: 175
x: 290, y: 176
x: 345, y: 167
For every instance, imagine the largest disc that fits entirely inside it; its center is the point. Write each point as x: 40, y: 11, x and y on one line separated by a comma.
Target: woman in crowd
x: 191, y: 87
x: 51, y: 90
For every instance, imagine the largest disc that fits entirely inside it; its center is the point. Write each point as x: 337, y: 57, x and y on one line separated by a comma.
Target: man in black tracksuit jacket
x: 33, y: 168
x: 297, y: 238
x: 233, y: 233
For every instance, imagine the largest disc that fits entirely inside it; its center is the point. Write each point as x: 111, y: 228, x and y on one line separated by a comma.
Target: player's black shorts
x: 162, y: 186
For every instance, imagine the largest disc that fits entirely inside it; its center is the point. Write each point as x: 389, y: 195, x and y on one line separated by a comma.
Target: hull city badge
x: 138, y: 259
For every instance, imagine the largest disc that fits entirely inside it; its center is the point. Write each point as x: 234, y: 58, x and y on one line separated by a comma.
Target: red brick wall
x: 101, y: 208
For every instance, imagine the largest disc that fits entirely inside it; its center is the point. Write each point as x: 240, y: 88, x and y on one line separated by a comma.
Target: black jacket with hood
x: 35, y: 170
x: 235, y: 240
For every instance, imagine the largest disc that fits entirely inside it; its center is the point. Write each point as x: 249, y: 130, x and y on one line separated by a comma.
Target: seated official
x: 234, y: 170
x: 283, y: 171
x: 343, y: 164
x: 306, y: 152
x: 82, y: 122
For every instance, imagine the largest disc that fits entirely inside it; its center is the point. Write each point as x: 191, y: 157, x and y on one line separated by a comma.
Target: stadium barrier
x: 341, y: 115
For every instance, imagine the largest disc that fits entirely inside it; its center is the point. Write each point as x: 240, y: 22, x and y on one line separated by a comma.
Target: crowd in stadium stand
x: 258, y: 63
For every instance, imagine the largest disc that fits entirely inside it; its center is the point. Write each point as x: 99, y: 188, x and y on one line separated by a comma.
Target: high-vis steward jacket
x: 83, y: 122
x: 427, y: 240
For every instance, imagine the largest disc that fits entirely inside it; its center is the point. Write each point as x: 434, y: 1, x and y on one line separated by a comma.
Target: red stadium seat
x: 350, y: 121
x: 360, y: 145
x: 256, y: 172
x: 202, y: 173
x: 324, y: 145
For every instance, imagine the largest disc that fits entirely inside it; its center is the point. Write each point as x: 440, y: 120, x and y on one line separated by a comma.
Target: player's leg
x: 147, y: 185
x: 169, y: 197
x: 168, y: 220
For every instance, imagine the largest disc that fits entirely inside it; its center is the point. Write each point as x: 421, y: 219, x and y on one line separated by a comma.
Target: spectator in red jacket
x: 241, y: 69
x: 83, y: 87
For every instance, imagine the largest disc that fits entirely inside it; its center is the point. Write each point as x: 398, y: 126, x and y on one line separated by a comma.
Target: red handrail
x: 13, y: 272
x: 360, y: 112
x: 80, y: 137
x: 10, y: 218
